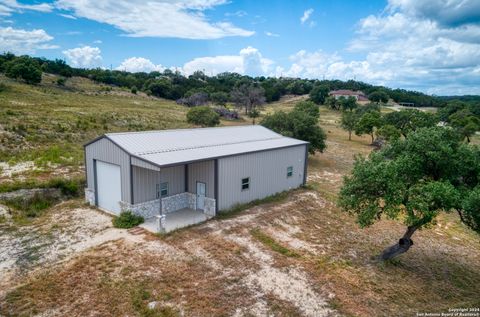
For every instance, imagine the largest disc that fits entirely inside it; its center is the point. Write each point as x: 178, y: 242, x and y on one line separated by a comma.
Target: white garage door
x: 109, y: 187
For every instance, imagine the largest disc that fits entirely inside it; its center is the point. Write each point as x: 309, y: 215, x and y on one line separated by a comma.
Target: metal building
x: 175, y: 178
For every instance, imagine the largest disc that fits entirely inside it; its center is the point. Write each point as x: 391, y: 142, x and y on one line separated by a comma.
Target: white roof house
x: 171, y: 172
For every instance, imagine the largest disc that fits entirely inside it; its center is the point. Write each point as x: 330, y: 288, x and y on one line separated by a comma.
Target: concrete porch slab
x: 176, y: 220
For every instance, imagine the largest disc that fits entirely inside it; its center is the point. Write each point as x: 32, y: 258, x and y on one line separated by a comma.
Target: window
x: 289, y: 171
x: 162, y: 190
x: 245, y: 183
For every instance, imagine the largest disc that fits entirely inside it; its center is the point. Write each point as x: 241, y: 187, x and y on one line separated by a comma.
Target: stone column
x: 161, y: 219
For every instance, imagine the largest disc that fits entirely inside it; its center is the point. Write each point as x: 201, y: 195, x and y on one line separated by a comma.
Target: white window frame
x: 289, y: 171
x: 245, y: 183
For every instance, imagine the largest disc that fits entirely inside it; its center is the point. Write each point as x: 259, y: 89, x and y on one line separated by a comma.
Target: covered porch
x: 175, y: 220
x: 173, y: 197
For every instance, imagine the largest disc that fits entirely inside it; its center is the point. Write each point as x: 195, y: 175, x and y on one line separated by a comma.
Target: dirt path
x: 69, y: 234
x: 63, y: 235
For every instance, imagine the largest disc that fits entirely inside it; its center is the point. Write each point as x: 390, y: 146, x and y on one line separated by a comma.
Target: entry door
x: 109, y: 192
x: 201, y: 190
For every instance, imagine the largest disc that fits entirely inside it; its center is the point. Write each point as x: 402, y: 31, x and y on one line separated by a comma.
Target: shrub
x: 61, y: 81
x: 227, y: 114
x: 68, y: 187
x: 203, y: 116
x: 31, y: 207
x: 134, y: 90
x: 127, y: 219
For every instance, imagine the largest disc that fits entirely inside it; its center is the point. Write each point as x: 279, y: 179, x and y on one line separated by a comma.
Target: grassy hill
x: 297, y: 255
x: 48, y: 124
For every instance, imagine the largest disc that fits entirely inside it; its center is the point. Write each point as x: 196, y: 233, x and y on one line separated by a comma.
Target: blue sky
x: 428, y: 45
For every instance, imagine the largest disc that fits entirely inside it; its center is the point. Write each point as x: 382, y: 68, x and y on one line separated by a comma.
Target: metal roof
x: 170, y: 147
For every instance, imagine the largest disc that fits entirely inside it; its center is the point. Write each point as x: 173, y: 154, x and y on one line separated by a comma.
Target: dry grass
x: 241, y: 265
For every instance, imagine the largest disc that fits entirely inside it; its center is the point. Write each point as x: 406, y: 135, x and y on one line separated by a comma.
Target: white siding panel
x: 106, y: 151
x: 267, y: 171
x: 202, y: 172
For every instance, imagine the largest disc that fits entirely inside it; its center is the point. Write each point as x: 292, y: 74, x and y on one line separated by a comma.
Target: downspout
x: 132, y: 201
x: 160, y: 193
x: 305, y: 166
x: 216, y: 186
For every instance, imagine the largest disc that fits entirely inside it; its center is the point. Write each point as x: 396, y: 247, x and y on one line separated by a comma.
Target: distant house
x: 359, y: 95
x: 175, y: 178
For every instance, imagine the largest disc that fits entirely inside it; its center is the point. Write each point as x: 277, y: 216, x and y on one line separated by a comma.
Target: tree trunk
x: 468, y: 139
x: 401, y: 247
x: 349, y: 135
x: 373, y: 139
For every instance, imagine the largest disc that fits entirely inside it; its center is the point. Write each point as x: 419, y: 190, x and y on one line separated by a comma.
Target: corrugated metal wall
x: 267, y: 171
x: 175, y: 176
x: 202, y: 172
x: 145, y: 182
x: 142, y: 163
x: 105, y: 150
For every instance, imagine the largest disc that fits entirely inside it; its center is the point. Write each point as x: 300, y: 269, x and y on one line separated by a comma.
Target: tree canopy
x: 348, y: 122
x: 174, y: 85
x: 413, y: 180
x: 319, y: 93
x: 248, y: 96
x: 379, y: 96
x: 24, y: 68
x: 410, y: 120
x: 465, y: 123
x: 301, y: 123
x: 368, y: 123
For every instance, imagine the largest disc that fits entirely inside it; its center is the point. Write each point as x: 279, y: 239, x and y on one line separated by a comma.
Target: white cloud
x: 249, y: 61
x: 68, y: 16
x: 306, y: 15
x: 156, y: 18
x: 139, y: 64
x: 85, y: 57
x: 239, y: 13
x: 446, y: 13
x: 7, y: 7
x: 271, y: 34
x: 20, y: 41
x: 430, y: 46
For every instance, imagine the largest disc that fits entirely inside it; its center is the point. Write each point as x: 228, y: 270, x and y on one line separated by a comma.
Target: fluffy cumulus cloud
x: 249, y: 61
x: 139, y: 64
x: 21, y: 41
x: 84, y: 57
x: 431, y: 46
x: 156, y: 18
